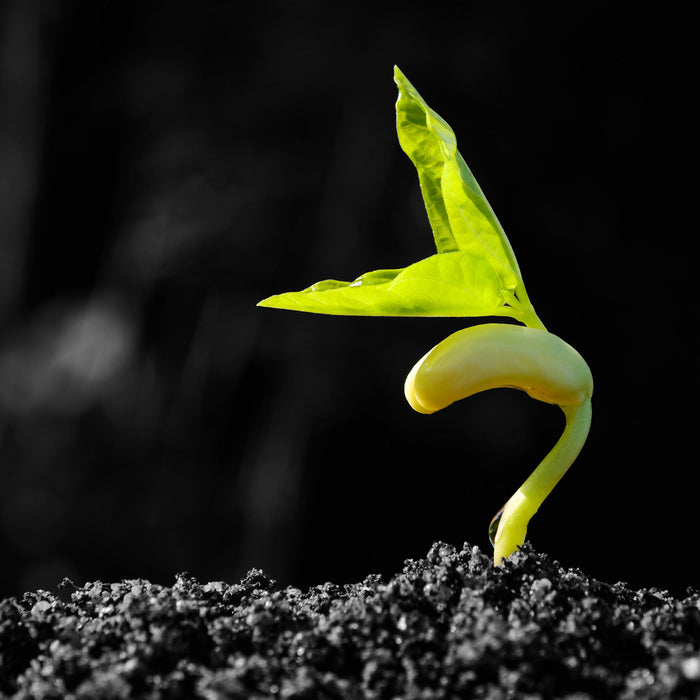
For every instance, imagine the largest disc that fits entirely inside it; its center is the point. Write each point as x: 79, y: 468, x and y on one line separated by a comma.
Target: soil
x: 447, y: 626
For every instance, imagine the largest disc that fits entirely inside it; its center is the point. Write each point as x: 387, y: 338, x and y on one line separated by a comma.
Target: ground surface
x: 446, y: 626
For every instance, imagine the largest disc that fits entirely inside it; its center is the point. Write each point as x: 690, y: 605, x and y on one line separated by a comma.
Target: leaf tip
x: 268, y: 303
x: 402, y: 82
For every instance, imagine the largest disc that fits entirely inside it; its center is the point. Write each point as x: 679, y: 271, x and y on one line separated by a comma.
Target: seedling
x: 474, y: 274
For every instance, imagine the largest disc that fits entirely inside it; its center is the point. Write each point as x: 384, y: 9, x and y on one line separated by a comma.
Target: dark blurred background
x: 165, y: 165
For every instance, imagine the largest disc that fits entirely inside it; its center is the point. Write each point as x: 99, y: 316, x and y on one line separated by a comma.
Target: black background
x: 163, y: 166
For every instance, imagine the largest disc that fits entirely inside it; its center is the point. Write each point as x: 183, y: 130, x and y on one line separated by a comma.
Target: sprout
x: 473, y: 273
x: 496, y: 355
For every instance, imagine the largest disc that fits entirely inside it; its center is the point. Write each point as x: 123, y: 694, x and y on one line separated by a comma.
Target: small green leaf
x: 447, y: 284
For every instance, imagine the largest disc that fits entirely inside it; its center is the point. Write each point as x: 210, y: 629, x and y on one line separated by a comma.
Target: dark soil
x: 447, y: 626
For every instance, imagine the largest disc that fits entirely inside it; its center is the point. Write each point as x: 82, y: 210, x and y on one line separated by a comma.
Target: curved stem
x: 523, y: 504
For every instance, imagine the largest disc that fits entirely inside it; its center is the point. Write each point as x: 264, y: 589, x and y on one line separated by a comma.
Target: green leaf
x: 474, y: 272
x: 446, y: 284
x: 460, y: 215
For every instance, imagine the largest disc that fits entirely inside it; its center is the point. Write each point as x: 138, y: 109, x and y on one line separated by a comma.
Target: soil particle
x: 447, y: 626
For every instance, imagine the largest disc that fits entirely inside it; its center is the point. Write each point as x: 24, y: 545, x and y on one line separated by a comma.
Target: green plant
x: 474, y: 273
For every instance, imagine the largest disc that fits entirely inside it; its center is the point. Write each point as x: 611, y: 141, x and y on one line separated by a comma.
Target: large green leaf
x: 446, y: 284
x: 474, y: 272
x: 460, y: 215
